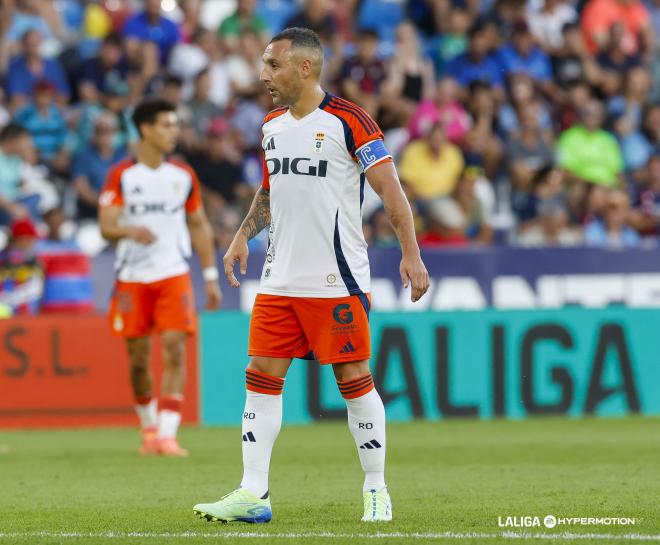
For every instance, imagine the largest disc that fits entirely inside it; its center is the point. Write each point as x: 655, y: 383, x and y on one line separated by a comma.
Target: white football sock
x: 366, y: 420
x: 169, y: 416
x: 148, y: 414
x: 262, y: 420
x: 168, y: 423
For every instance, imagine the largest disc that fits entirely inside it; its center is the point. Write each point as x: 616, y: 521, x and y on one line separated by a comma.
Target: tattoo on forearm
x: 259, y: 215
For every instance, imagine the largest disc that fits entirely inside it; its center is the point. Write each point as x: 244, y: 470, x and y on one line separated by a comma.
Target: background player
x: 152, y: 207
x: 313, y: 295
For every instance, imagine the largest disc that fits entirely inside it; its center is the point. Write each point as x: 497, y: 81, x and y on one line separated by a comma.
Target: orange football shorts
x: 334, y: 330
x: 137, y: 309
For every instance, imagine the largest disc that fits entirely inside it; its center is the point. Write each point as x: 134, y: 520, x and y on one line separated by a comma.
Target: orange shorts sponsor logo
x: 334, y: 329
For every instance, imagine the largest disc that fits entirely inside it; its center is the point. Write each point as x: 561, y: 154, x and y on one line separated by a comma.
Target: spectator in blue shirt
x: 45, y: 122
x: 12, y: 139
x: 477, y: 63
x: 107, y: 68
x: 522, y: 55
x: 115, y: 101
x: 91, y: 164
x: 29, y: 68
x: 150, y: 26
x: 16, y: 200
x: 613, y: 231
x: 24, y: 17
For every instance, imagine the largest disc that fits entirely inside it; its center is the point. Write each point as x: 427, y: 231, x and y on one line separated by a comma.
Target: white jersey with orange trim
x: 315, y: 170
x: 159, y: 200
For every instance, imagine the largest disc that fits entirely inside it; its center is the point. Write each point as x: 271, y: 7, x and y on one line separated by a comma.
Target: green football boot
x: 237, y: 506
x: 377, y: 506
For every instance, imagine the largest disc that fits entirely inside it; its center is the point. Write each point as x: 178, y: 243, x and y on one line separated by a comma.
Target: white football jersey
x: 314, y: 168
x: 159, y: 200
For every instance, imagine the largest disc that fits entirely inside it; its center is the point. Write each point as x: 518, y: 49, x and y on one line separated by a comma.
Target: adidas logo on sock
x: 371, y: 445
x: 249, y: 437
x: 347, y: 348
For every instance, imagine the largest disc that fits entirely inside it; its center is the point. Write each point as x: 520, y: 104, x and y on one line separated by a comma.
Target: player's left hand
x: 413, y: 272
x: 213, y: 295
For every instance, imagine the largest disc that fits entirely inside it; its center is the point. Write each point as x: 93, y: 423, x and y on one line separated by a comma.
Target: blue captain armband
x: 371, y: 153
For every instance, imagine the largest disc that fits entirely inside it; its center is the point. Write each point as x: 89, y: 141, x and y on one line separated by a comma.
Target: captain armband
x: 372, y: 153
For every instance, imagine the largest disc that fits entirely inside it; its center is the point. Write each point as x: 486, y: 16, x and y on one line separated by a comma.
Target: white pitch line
x: 381, y: 535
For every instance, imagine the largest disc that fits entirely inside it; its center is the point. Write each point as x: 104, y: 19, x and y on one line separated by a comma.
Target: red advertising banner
x: 58, y: 371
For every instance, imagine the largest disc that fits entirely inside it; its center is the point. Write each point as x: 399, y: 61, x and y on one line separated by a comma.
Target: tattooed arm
x: 259, y: 215
x: 257, y: 218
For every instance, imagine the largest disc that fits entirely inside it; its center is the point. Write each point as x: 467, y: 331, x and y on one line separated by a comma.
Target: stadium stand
x: 518, y: 123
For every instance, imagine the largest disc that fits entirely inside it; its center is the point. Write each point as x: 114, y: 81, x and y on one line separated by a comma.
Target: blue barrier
x: 474, y: 278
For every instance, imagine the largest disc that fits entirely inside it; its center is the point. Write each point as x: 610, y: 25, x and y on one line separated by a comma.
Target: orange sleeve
x: 359, y: 127
x: 277, y: 112
x: 194, y: 200
x: 367, y: 132
x: 112, y: 195
x: 265, y: 182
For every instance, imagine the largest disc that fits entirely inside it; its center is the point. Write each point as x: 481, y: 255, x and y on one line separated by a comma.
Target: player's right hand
x: 142, y: 235
x: 414, y: 273
x: 238, y: 251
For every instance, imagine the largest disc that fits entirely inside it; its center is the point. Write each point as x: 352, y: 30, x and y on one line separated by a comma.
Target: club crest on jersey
x: 319, y: 142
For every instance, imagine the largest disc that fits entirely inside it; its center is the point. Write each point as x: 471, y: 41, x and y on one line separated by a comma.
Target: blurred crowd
x: 528, y: 123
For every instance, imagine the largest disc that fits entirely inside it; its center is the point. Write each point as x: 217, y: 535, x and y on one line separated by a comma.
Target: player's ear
x: 145, y: 129
x: 306, y: 68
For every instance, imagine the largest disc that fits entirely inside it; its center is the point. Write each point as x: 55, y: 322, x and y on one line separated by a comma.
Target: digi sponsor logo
x: 342, y: 313
x: 299, y: 165
x: 154, y: 208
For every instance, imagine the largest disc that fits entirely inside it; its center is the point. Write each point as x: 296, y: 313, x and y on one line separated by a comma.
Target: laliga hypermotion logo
x: 551, y: 521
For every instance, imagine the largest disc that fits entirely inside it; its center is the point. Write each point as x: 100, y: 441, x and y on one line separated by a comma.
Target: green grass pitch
x: 449, y: 483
